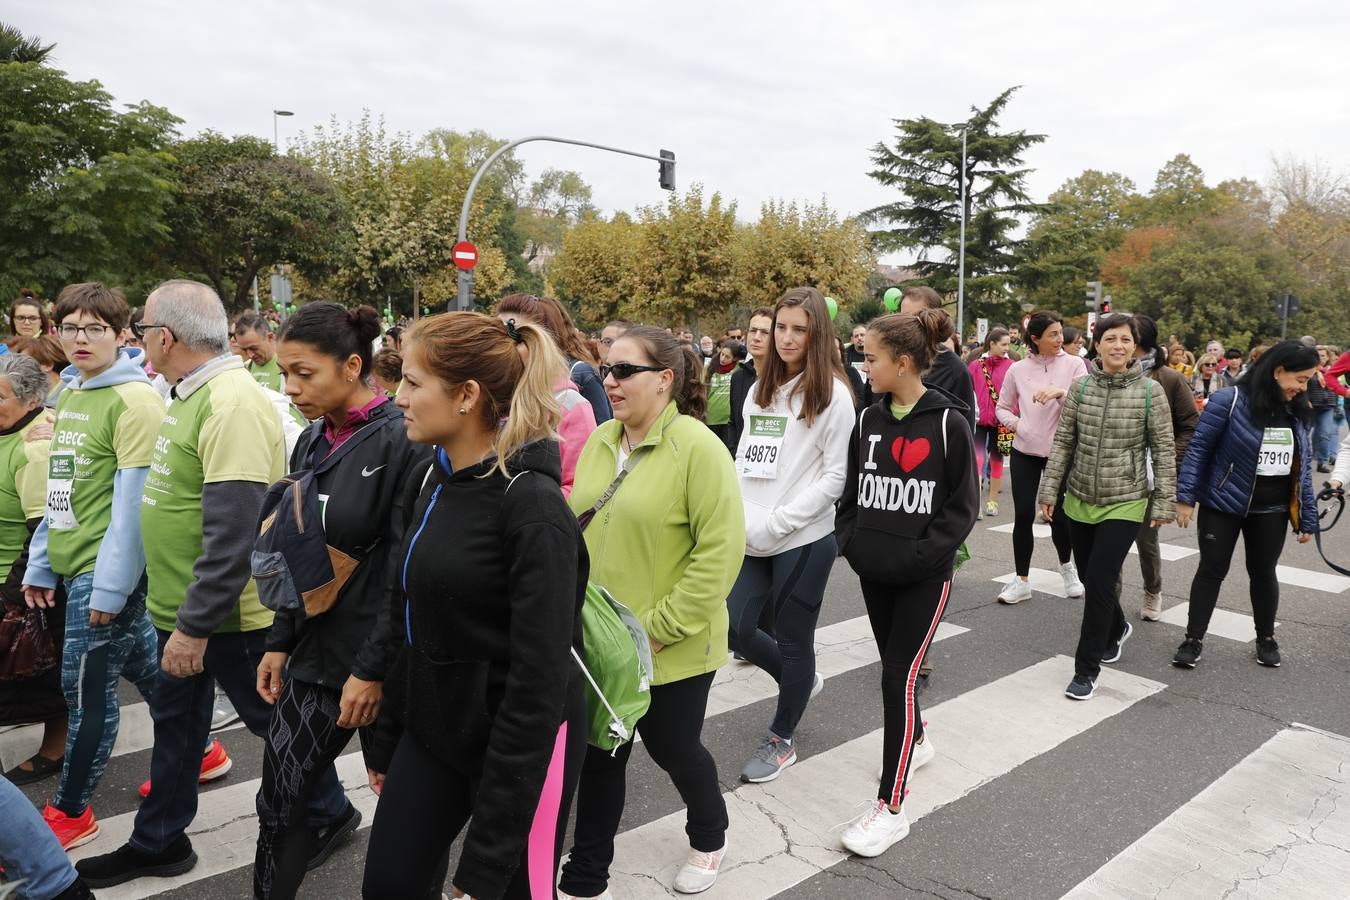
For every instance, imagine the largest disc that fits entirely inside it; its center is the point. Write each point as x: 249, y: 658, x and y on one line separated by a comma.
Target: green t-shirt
x: 719, y: 398
x: 1125, y: 510
x: 224, y: 430
x: 901, y: 411
x: 23, y: 489
x: 268, y: 375
x: 98, y: 431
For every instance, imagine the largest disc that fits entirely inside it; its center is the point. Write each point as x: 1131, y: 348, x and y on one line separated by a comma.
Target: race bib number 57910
x: 1277, y: 452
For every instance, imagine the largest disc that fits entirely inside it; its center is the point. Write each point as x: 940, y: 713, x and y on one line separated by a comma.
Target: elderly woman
x: 23, y: 496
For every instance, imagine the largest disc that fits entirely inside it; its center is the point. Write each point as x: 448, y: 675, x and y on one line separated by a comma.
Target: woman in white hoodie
x: 792, y: 461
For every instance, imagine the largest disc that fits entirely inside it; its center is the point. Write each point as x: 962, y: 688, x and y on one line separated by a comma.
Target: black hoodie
x: 912, y: 494
x: 493, y: 576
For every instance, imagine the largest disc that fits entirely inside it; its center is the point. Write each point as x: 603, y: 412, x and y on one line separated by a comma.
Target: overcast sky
x: 758, y: 100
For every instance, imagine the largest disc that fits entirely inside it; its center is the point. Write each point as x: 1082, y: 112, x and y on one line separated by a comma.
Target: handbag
x: 1004, y: 439
x: 26, y: 644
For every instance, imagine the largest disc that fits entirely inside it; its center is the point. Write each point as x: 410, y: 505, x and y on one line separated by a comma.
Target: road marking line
x: 1042, y: 580
x: 1224, y: 623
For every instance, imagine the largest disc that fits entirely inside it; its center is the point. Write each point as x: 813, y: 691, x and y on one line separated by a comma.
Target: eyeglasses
x: 140, y: 328
x: 28, y: 318
x: 93, y: 332
x: 624, y: 371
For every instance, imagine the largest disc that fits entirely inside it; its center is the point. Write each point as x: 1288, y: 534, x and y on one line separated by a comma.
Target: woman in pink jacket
x: 1030, y: 404
x: 986, y: 374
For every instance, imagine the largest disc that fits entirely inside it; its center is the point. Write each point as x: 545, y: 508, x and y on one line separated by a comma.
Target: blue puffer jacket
x: 1219, y: 470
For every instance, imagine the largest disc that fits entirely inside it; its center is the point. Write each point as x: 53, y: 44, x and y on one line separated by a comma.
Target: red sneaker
x: 215, y: 763
x: 71, y: 831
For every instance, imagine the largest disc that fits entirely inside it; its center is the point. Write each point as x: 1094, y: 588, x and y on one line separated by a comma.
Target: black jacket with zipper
x: 362, y: 516
x: 493, y: 578
x: 912, y: 494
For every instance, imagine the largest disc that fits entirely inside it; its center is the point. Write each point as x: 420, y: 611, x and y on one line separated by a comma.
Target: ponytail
x: 534, y: 412
x: 917, y: 336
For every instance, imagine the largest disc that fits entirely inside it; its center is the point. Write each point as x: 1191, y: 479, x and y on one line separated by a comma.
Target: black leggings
x: 672, y: 733
x: 425, y: 804
x: 1263, y: 537
x: 904, y: 619
x: 1100, y: 550
x: 1026, y: 483
x: 303, y: 740
x: 793, y: 584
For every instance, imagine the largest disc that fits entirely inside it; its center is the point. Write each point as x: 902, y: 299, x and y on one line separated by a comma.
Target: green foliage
x: 15, y: 47
x: 925, y: 166
x: 791, y: 246
x: 83, y: 188
x: 596, y: 271
x: 688, y: 259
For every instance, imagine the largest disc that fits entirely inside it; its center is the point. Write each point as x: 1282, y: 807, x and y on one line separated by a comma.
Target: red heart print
x: 908, y: 454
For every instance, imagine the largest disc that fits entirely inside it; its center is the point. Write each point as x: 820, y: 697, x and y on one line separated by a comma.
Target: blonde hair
x: 519, y: 405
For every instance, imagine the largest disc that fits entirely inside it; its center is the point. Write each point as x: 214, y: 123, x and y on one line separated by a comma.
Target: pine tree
x: 924, y: 165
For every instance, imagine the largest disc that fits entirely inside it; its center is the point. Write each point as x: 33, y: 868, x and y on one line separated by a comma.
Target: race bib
x: 60, y: 484
x: 763, y: 444
x: 1277, y: 452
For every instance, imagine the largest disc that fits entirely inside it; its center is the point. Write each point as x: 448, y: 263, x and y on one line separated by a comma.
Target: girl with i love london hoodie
x: 911, y: 497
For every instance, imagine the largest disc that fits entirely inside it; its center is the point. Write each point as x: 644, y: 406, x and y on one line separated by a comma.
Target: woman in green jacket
x: 1117, y: 432
x: 668, y: 544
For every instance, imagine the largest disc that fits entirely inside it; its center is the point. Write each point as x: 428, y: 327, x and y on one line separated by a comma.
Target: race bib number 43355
x: 60, y: 484
x: 763, y: 446
x: 1277, y: 452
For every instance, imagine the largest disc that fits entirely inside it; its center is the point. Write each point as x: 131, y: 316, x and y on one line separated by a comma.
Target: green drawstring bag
x: 618, y: 669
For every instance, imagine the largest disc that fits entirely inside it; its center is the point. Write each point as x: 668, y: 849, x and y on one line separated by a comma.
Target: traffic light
x: 1094, y: 295
x: 667, y: 170
x: 1106, y: 305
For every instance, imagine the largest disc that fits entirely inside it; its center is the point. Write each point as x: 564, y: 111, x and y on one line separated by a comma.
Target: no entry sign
x: 465, y: 255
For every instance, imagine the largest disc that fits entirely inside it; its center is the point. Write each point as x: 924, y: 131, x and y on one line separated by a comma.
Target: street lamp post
x: 464, y: 297
x: 276, y: 147
x: 961, y: 252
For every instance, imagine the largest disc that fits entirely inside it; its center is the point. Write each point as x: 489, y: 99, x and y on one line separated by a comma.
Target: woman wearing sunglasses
x: 668, y: 545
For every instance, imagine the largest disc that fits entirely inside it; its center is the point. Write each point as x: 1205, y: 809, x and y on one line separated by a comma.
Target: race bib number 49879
x: 763, y: 445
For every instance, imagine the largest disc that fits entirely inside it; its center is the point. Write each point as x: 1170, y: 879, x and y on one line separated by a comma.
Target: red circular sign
x: 465, y: 255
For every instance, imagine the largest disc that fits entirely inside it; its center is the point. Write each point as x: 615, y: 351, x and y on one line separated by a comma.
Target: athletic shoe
x: 923, y: 754
x: 773, y: 756
x: 1080, y: 688
x: 1268, y: 652
x: 223, y: 714
x: 42, y: 767
x: 127, y: 862
x: 325, y: 840
x: 991, y: 508
x: 1188, y: 654
x: 1119, y: 645
x: 71, y: 831
x: 1323, y: 467
x: 741, y: 659
x: 817, y: 687
x: 700, y: 871
x: 605, y: 896
x: 215, y: 763
x: 1072, y: 586
x: 875, y: 831
x: 1152, y: 608
x: 1015, y: 591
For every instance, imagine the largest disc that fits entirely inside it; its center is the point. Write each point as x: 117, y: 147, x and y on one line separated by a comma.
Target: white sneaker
x: 875, y: 831
x: 818, y: 686
x: 700, y: 872
x: 605, y: 896
x: 1152, y: 609
x: 1015, y: 591
x: 223, y: 714
x: 923, y: 754
x: 1072, y: 586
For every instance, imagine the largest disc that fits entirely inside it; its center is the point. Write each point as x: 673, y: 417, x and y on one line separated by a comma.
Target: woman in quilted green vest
x: 1117, y: 431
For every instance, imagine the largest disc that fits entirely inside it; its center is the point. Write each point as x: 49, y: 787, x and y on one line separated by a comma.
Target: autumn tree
x: 597, y: 269
x: 794, y: 245
x: 687, y: 259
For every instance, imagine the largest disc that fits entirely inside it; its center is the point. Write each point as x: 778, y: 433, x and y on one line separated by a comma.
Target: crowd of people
x: 473, y: 476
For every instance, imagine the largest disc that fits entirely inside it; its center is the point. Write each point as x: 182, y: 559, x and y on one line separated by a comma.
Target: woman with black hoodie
x: 324, y: 675
x: 911, y: 498
x: 493, y: 577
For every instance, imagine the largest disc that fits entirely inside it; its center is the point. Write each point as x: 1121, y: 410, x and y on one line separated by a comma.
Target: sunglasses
x: 140, y: 328
x: 624, y: 371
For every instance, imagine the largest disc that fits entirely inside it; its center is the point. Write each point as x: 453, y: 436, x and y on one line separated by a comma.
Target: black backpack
x: 295, y: 568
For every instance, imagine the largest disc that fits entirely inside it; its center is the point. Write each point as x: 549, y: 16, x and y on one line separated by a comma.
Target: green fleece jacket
x: 670, y: 542
x: 1102, y: 432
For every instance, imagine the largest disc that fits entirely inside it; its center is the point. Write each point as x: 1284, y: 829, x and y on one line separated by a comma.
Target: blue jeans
x: 29, y: 851
x: 1325, y: 433
x: 91, y: 661
x: 181, y: 711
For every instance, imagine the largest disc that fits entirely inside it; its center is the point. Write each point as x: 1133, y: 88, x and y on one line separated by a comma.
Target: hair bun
x: 365, y: 321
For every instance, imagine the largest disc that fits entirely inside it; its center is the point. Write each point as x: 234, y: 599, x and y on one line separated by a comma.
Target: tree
x: 83, y: 187
x: 240, y: 209
x: 924, y: 164
x: 15, y: 47
x: 687, y: 259
x: 808, y: 245
x: 556, y: 201
x: 1179, y: 195
x: 597, y: 269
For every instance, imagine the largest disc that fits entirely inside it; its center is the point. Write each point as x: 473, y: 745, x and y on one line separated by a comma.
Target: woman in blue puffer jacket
x: 1249, y: 467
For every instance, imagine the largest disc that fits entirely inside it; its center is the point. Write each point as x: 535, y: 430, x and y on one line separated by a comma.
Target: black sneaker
x: 1188, y: 654
x: 78, y: 890
x: 1114, y: 654
x: 323, y: 841
x: 1268, y: 652
x: 1081, y: 688
x: 127, y: 862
